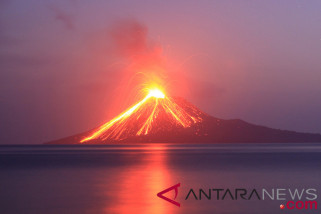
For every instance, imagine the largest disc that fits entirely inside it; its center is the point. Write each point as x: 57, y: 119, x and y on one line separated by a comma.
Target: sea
x: 76, y: 179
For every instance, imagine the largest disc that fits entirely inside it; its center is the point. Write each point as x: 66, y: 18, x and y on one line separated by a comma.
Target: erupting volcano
x: 154, y: 114
x: 158, y: 118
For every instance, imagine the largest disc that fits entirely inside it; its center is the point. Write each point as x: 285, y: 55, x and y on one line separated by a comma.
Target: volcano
x: 161, y: 119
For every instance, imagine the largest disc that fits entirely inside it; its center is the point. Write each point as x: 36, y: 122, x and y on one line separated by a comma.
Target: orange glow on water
x: 137, y: 186
x: 146, y: 111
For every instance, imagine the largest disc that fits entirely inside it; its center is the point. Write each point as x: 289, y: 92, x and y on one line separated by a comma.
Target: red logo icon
x: 175, y: 187
x: 282, y: 206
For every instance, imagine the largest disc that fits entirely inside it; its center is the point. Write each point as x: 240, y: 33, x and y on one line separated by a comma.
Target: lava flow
x: 154, y: 114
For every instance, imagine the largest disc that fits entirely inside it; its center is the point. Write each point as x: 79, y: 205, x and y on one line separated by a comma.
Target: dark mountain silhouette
x: 174, y: 120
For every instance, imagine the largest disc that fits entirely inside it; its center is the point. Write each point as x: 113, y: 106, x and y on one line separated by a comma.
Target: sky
x: 67, y: 66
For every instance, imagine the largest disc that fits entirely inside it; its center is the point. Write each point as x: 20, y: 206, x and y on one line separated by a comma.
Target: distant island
x: 159, y: 119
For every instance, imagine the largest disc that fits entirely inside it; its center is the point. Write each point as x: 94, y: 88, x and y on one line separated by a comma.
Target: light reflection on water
x: 126, y: 179
x: 138, y: 185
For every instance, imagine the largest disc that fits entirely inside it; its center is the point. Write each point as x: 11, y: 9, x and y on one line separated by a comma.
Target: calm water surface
x: 125, y: 179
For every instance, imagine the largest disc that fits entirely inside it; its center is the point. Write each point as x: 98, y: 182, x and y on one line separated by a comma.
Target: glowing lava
x: 156, y: 93
x: 153, y: 114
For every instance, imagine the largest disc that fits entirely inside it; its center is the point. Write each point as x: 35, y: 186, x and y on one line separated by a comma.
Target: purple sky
x: 259, y: 61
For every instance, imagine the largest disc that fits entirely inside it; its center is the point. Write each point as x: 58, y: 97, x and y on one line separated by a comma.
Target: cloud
x: 131, y: 42
x: 66, y: 19
x: 130, y: 37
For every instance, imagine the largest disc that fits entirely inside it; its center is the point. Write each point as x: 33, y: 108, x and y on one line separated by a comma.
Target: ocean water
x: 126, y: 178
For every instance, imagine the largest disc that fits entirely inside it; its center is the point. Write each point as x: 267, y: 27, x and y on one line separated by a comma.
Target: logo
x: 292, y: 198
x: 175, y: 187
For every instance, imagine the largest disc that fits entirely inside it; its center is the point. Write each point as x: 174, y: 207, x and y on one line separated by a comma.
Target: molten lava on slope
x: 154, y: 114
